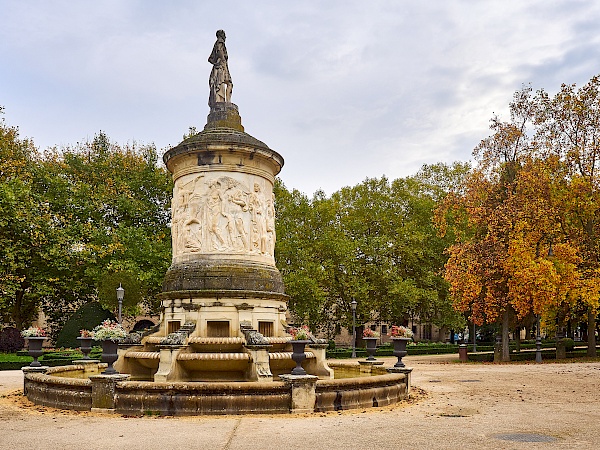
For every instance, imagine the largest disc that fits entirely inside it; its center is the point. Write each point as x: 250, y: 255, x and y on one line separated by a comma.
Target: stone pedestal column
x: 304, y: 394
x: 260, y: 369
x: 103, y: 392
x: 367, y: 366
x: 406, y: 371
x: 29, y: 369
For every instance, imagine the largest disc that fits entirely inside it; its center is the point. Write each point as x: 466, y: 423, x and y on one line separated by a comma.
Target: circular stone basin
x: 81, y: 387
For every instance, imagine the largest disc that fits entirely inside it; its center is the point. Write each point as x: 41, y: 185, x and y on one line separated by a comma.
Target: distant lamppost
x: 538, y: 342
x: 353, y: 305
x: 120, y: 295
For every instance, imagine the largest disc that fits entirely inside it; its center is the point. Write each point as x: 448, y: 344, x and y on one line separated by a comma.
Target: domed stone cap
x: 223, y: 136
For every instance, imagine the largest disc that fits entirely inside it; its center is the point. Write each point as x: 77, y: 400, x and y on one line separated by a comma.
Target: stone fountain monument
x: 221, y: 346
x: 223, y: 301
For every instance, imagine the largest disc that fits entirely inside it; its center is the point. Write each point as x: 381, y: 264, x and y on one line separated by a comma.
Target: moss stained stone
x: 223, y: 276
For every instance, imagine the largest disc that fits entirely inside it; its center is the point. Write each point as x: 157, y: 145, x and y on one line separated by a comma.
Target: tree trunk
x: 591, y: 351
x: 505, y: 347
x: 529, y: 324
x: 17, y: 317
x: 518, y: 339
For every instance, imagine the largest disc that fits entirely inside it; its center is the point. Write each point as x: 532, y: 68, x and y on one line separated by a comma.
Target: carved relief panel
x: 224, y: 214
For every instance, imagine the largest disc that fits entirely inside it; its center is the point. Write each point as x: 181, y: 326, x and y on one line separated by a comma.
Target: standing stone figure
x: 220, y: 82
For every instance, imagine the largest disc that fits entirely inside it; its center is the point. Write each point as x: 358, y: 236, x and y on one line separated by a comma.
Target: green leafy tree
x: 116, y: 202
x: 373, y: 243
x: 32, y: 242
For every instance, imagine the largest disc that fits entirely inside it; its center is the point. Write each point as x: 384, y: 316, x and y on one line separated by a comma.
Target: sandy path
x: 457, y: 406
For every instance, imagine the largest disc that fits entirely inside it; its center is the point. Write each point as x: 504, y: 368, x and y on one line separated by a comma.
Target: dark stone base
x: 223, y: 275
x: 224, y: 115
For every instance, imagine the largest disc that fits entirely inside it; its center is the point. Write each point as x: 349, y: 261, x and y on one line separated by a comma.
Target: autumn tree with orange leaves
x: 525, y: 218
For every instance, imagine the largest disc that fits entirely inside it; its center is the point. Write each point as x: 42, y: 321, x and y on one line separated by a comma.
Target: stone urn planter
x: 371, y: 347
x: 400, y: 349
x: 85, y: 345
x: 109, y: 355
x: 298, y: 356
x: 35, y: 349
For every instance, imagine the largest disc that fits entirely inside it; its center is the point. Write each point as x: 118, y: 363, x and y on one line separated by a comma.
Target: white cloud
x: 342, y: 89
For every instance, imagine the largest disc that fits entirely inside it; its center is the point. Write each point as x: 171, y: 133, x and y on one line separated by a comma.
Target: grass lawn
x: 13, y: 357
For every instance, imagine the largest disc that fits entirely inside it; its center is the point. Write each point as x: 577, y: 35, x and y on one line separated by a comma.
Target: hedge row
x: 430, y: 349
x: 51, y: 358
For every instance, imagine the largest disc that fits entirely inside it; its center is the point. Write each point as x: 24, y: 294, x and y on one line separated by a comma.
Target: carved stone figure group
x: 222, y: 215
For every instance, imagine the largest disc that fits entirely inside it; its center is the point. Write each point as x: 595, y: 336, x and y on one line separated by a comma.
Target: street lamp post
x: 538, y: 342
x: 353, y: 304
x: 120, y: 295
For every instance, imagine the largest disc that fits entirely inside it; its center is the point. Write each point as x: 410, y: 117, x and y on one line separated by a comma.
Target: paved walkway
x: 454, y: 405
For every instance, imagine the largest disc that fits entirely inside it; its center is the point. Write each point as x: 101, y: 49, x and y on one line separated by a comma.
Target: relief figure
x: 184, y: 209
x: 258, y: 236
x: 214, y: 212
x: 270, y: 228
x: 237, y: 208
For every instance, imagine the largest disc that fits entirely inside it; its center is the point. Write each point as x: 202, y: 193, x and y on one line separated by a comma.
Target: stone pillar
x: 303, y: 389
x: 318, y: 365
x: 103, y: 391
x: 367, y: 366
x: 260, y: 369
x: 463, y: 355
x: 406, y: 371
x: 561, y: 351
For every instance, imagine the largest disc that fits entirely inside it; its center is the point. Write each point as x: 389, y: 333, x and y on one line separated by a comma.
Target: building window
x: 173, y: 326
x: 384, y: 329
x: 373, y: 327
x: 265, y: 328
x: 217, y: 328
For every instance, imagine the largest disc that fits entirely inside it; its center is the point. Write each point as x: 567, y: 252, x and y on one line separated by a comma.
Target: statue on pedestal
x: 220, y: 82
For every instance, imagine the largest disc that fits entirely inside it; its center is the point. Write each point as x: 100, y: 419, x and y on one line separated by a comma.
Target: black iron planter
x: 85, y: 345
x: 35, y: 349
x: 298, y: 356
x: 109, y: 355
x: 400, y: 349
x: 371, y: 347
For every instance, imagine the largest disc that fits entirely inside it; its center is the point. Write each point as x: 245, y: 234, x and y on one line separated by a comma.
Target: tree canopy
x: 527, y: 217
x: 76, y: 220
x: 373, y: 243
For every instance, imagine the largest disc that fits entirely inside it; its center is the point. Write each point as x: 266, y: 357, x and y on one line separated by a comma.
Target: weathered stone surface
x: 103, y: 391
x: 180, y: 336
x: 214, y: 275
x: 224, y: 115
x: 303, y: 397
x: 217, y: 137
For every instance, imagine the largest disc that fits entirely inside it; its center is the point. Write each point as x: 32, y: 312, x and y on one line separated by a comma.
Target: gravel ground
x: 453, y: 405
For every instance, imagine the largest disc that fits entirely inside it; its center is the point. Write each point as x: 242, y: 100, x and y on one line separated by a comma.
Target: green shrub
x: 10, y: 340
x: 569, y: 344
x: 86, y: 317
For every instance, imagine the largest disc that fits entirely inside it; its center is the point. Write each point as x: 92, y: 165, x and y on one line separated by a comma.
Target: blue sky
x: 344, y: 90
